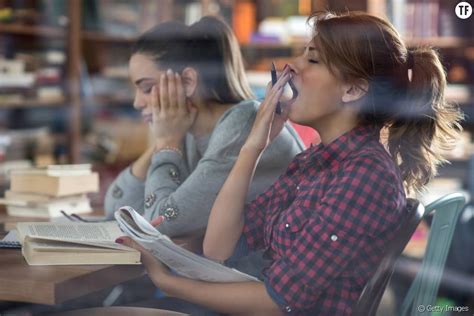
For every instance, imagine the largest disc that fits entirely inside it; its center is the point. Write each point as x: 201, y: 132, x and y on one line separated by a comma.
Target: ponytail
x: 406, y: 89
x: 426, y: 124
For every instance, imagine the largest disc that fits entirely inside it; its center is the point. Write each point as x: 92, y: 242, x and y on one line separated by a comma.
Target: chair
x: 371, y: 295
x: 424, y: 288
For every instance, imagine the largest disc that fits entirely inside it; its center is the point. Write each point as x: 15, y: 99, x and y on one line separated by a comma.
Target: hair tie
x: 410, y: 64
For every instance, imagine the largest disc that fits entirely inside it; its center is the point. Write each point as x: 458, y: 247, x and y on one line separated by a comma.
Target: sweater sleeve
x: 126, y: 189
x: 186, y: 202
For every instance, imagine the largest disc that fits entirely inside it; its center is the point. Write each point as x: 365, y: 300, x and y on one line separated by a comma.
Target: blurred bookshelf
x: 20, y: 29
x: 37, y: 81
x: 33, y: 103
x: 94, y: 37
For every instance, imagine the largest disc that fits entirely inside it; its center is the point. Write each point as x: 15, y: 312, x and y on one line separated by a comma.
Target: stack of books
x: 45, y: 192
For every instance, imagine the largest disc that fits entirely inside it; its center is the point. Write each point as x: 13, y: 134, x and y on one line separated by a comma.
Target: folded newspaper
x: 182, y: 261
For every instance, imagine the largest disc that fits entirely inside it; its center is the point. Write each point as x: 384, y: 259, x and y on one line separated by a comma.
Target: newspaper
x: 182, y: 261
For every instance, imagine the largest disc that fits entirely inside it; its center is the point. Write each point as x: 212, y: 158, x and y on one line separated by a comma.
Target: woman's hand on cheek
x: 172, y: 117
x: 155, y: 269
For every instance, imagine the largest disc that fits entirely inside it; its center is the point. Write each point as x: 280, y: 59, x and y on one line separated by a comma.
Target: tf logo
x: 463, y: 10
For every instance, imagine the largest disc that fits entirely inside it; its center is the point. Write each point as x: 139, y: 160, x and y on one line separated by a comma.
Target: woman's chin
x: 292, y: 110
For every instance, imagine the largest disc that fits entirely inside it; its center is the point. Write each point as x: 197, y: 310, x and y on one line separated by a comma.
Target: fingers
x: 157, y: 221
x: 155, y: 105
x: 170, y: 78
x: 153, y: 266
x: 164, y: 104
x: 146, y: 257
x: 180, y: 95
x: 172, y: 95
x: 129, y: 242
x: 275, y: 92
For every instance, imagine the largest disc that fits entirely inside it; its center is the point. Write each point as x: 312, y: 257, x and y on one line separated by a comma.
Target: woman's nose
x: 139, y: 102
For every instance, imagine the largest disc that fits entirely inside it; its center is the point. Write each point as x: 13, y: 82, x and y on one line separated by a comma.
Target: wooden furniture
x: 120, y: 311
x: 55, y: 284
x: 35, y: 36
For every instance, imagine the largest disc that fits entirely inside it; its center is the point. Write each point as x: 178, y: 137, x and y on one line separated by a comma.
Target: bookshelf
x: 94, y: 49
x: 43, y: 31
x: 46, y: 78
x: 95, y: 36
x: 33, y: 103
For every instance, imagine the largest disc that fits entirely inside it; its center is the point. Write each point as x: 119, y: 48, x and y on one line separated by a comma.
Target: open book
x: 45, y: 243
x: 177, y: 258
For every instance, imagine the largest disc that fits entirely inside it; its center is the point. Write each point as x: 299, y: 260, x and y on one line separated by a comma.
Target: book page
x: 59, y: 246
x: 179, y: 259
x: 95, y: 234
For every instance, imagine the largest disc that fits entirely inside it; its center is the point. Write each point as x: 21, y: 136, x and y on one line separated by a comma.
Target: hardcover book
x: 74, y: 244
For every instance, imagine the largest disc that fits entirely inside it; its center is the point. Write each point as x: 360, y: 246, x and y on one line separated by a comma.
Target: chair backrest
x: 424, y: 288
x: 371, y: 295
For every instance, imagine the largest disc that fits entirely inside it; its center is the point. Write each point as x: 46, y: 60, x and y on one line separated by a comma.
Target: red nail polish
x: 119, y: 241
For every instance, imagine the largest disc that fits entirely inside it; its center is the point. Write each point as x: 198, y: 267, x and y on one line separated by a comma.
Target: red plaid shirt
x: 324, y: 223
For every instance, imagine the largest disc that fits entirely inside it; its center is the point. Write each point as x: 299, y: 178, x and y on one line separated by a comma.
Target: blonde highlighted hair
x: 209, y: 46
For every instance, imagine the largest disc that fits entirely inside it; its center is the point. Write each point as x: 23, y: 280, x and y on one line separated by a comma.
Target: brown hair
x: 209, y: 46
x: 419, y: 120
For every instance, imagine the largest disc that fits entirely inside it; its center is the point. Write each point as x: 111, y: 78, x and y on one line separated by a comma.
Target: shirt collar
x: 340, y: 148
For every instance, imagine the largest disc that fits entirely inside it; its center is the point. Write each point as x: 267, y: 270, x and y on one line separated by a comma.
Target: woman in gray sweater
x: 192, y: 91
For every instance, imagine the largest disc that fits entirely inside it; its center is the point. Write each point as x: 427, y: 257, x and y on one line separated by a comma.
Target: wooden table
x: 55, y: 284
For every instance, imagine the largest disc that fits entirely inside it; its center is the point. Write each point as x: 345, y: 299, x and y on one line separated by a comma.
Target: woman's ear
x: 355, y: 90
x: 190, y: 81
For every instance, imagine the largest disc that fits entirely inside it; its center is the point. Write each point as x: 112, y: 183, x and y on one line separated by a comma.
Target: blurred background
x: 65, y: 96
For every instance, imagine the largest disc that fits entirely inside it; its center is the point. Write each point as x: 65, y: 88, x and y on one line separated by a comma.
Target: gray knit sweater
x: 184, y: 189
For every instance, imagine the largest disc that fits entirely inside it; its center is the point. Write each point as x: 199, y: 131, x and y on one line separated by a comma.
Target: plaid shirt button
x: 327, y: 199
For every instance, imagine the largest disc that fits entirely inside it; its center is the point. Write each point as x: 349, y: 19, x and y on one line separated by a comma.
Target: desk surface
x: 55, y: 284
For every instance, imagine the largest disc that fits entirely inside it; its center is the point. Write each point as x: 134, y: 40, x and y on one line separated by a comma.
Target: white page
x: 95, y: 234
x: 179, y: 259
x: 57, y: 246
